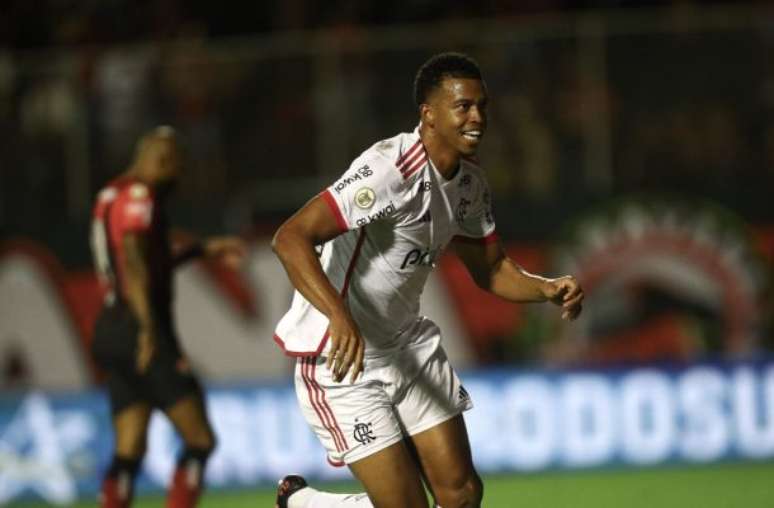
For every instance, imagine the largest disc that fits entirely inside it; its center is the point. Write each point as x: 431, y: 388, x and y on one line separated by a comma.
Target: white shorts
x: 398, y: 395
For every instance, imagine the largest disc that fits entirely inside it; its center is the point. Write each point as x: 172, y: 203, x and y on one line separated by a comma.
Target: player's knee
x: 201, y: 439
x: 206, y: 441
x: 466, y: 493
x: 196, y: 458
x: 132, y: 446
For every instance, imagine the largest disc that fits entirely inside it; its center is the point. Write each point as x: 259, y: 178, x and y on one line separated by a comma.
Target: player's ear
x: 427, y: 114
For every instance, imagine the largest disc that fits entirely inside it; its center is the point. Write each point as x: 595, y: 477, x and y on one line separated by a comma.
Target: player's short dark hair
x: 439, y: 67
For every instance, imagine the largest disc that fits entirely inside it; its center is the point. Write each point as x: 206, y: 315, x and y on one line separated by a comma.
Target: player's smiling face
x: 459, y: 113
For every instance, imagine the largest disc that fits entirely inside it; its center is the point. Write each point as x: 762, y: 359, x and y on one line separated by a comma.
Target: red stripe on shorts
x: 325, y: 406
x: 312, y: 389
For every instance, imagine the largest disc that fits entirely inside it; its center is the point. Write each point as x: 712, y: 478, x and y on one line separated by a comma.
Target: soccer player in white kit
x: 396, y: 421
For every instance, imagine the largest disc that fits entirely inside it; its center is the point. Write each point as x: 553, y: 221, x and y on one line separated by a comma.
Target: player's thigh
x: 444, y: 455
x: 431, y: 411
x: 130, y: 426
x: 189, y: 417
x: 391, y: 478
x: 176, y: 390
x: 130, y: 411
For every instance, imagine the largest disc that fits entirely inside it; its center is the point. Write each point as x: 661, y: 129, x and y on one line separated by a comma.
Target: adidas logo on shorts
x: 463, y: 394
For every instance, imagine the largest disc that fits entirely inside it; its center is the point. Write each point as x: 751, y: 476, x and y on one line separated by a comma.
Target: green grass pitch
x: 722, y: 486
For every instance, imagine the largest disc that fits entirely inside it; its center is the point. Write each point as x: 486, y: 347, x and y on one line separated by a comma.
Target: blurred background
x: 631, y: 143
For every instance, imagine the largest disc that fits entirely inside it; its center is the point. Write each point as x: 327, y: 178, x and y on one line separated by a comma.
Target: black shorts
x: 167, y: 379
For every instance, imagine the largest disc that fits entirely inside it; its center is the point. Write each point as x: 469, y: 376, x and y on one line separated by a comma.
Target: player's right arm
x: 294, y: 243
x: 137, y: 290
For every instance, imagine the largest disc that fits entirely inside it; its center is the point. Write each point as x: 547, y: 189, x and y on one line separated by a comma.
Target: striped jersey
x: 397, y: 214
x: 128, y: 206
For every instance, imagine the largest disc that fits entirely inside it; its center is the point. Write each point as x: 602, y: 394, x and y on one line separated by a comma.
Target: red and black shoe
x: 291, y: 484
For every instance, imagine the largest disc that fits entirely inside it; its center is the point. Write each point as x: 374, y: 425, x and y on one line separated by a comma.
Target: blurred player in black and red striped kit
x: 134, y: 338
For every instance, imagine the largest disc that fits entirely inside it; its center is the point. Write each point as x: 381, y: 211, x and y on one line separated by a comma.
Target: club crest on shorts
x: 363, y: 433
x: 365, y: 198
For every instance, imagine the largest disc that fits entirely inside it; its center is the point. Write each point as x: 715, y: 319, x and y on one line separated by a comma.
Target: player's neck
x: 136, y: 173
x: 445, y: 159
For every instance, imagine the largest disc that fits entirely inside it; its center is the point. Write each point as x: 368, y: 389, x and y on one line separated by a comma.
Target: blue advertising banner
x: 55, y: 446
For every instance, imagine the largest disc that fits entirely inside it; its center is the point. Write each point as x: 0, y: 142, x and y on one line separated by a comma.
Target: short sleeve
x: 133, y: 211
x: 366, y: 193
x: 478, y: 224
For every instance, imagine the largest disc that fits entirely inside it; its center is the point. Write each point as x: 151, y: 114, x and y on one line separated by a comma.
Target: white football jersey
x: 397, y: 214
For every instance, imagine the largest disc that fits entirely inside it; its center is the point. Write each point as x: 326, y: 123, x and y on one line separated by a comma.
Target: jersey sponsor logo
x: 363, y: 433
x: 488, y: 217
x: 462, y: 209
x: 360, y: 174
x: 417, y: 257
x: 365, y: 198
x: 384, y: 212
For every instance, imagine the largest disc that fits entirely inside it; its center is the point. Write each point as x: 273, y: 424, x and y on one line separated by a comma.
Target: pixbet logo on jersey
x: 419, y: 257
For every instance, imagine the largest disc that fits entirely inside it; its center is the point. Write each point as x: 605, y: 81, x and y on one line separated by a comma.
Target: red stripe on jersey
x: 410, y: 161
x: 351, y: 267
x: 419, y: 164
x: 344, y: 289
x: 312, y: 393
x: 328, y: 198
x: 486, y: 240
x: 408, y: 152
x: 316, y: 352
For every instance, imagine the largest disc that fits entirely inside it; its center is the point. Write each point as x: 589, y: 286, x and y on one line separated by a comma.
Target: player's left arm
x: 493, y: 271
x: 229, y: 250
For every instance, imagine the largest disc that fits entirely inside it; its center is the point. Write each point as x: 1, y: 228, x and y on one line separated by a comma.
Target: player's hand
x: 229, y: 250
x: 347, y: 348
x: 566, y: 292
x: 146, y: 349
